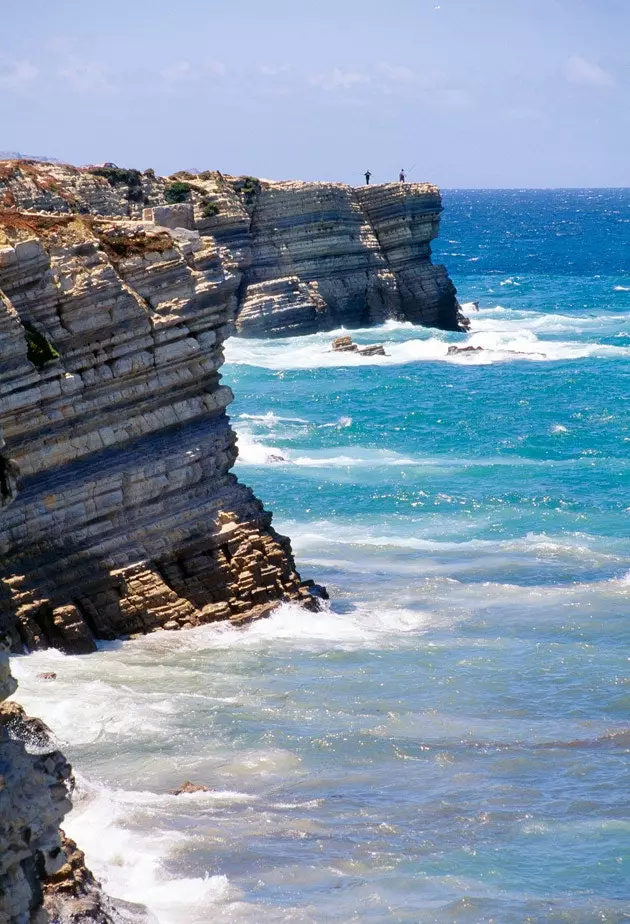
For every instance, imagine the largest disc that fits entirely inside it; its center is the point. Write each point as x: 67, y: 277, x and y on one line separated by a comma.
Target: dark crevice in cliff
x: 39, y: 349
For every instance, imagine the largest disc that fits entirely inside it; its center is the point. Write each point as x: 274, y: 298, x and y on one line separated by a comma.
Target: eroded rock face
x: 366, y: 252
x: 125, y: 516
x: 307, y: 256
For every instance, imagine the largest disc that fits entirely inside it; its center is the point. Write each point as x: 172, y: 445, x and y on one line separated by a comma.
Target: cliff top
x: 123, y: 192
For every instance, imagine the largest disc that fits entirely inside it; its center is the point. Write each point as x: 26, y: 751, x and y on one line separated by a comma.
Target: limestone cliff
x: 118, y: 511
x: 307, y: 256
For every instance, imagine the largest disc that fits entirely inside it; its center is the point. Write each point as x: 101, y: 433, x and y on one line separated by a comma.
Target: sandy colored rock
x: 344, y: 345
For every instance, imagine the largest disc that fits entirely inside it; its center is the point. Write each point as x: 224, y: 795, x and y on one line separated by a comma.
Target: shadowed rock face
x: 119, y: 512
x: 307, y: 256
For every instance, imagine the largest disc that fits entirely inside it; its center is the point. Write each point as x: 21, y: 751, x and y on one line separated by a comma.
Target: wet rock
x: 188, y: 787
x: 343, y: 345
x: 372, y: 349
x: 453, y: 349
x: 347, y: 345
x: 47, y: 675
x: 316, y: 590
x: 43, y: 878
x: 23, y: 727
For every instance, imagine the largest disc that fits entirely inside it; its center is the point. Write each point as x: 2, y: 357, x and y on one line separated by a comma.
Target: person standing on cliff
x: 367, y: 177
x: 401, y: 175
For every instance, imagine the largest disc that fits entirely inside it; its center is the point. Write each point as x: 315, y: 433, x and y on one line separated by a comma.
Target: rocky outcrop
x: 43, y: 876
x: 119, y: 512
x: 362, y: 255
x: 308, y: 256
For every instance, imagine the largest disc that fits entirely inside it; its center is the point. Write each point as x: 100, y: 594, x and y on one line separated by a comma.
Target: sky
x: 464, y: 93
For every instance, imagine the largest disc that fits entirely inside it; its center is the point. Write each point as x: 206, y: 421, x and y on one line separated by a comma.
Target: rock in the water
x: 344, y: 345
x: 188, y: 787
x: 453, y: 349
x: 25, y: 728
x: 372, y: 349
x: 347, y: 345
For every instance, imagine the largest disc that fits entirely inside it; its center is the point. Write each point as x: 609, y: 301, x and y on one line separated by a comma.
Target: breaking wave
x: 497, y: 335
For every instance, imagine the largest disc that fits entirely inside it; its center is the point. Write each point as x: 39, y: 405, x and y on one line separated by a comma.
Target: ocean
x: 448, y: 742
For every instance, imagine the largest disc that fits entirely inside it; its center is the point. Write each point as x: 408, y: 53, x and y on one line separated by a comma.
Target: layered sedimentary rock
x: 118, y: 512
x: 363, y: 254
x: 308, y: 256
x: 43, y: 877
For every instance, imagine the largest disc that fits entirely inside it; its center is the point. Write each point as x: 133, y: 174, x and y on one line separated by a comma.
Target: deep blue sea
x: 448, y: 742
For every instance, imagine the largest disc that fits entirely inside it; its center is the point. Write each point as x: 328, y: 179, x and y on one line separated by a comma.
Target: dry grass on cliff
x: 118, y: 242
x: 122, y: 244
x: 17, y: 226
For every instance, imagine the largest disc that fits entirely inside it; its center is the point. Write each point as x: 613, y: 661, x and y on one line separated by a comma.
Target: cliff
x: 308, y: 256
x: 42, y: 873
x: 325, y: 255
x: 118, y: 511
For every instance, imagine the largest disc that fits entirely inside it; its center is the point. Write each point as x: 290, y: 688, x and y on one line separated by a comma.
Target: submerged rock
x: 188, y: 787
x: 453, y: 349
x: 347, y: 345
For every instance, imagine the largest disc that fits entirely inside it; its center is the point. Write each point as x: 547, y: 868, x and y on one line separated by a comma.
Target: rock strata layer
x: 118, y: 510
x: 307, y: 256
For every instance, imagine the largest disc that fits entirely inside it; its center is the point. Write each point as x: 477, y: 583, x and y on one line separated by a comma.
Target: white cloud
x: 216, y: 67
x: 176, y: 73
x: 585, y: 73
x: 338, y: 79
x: 396, y: 72
x: 85, y: 76
x: 268, y: 70
x: 181, y: 72
x: 17, y: 75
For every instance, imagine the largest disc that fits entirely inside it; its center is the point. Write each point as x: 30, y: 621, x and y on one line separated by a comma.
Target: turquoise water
x: 449, y: 742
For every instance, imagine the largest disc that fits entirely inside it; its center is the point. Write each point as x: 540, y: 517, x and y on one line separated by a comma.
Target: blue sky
x: 468, y: 93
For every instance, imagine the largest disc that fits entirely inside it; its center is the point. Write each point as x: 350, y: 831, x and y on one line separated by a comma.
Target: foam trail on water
x: 502, y: 336
x: 129, y: 859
